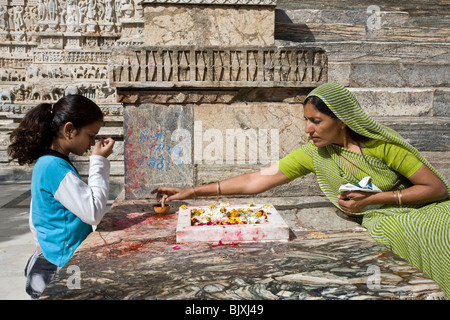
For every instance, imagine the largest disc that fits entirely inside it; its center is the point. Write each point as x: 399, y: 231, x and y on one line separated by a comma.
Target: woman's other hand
x: 354, y: 201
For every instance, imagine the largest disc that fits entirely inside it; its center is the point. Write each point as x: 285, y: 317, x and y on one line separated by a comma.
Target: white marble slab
x: 275, y: 230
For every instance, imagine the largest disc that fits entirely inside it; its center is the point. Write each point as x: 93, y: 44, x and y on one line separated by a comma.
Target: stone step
x: 307, y: 33
x: 349, y: 16
x: 382, y: 51
x: 424, y: 133
x: 433, y: 13
x: 403, y: 102
x: 390, y: 74
x: 357, y: 14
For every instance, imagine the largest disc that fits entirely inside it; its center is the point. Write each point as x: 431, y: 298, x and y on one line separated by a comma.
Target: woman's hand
x: 103, y: 147
x: 354, y: 201
x: 164, y: 194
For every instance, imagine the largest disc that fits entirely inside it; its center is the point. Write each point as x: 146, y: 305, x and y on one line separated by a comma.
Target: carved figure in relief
x: 32, y: 72
x: 91, y: 73
x: 18, y: 18
x: 6, y: 93
x: 118, y: 9
x: 73, y: 16
x: 71, y: 89
x: 4, y: 75
x: 52, y: 7
x: 139, y: 9
x: 91, y: 10
x: 62, y: 11
x: 3, y: 18
x: 42, y: 11
x: 108, y: 11
x: 30, y: 18
x: 82, y: 9
x: 11, y: 18
x: 79, y: 72
x: 20, y: 92
x: 126, y: 7
x: 43, y: 93
x: 100, y: 10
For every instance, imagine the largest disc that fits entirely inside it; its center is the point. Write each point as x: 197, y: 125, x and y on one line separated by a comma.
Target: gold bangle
x: 195, y: 196
x: 395, y: 197
x: 400, y: 202
x: 218, y: 189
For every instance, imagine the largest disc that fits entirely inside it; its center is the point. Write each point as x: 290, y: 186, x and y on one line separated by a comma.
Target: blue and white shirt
x: 63, y: 207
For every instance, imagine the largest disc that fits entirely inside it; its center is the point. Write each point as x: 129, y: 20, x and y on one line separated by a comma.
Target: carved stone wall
x: 208, y: 95
x: 144, y: 59
x: 53, y: 47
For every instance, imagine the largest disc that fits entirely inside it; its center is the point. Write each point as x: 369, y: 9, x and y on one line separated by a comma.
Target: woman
x: 346, y: 145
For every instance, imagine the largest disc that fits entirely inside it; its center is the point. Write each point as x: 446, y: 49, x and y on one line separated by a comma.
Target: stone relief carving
x: 50, y: 48
x: 219, y: 67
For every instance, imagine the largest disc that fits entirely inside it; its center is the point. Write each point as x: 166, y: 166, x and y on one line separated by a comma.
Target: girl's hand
x: 103, y: 147
x: 354, y: 201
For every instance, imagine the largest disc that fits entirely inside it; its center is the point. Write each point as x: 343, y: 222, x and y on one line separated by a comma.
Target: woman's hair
x: 41, y: 124
x: 323, y: 108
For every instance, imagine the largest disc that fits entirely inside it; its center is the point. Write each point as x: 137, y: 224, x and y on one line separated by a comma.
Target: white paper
x: 364, y: 185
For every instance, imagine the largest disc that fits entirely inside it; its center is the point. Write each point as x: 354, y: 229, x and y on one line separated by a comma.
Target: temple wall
x: 394, y: 57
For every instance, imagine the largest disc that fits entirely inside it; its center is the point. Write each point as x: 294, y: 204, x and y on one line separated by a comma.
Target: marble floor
x: 133, y: 254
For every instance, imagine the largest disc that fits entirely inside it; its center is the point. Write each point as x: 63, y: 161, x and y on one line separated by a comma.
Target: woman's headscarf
x: 345, y: 106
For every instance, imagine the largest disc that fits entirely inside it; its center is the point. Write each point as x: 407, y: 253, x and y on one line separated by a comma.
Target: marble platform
x: 275, y: 229
x: 133, y: 254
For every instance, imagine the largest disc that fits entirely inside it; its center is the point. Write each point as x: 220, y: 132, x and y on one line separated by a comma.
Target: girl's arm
x: 246, y: 184
x: 87, y: 201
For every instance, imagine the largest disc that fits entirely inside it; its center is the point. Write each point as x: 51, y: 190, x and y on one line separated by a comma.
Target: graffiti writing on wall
x: 156, y: 153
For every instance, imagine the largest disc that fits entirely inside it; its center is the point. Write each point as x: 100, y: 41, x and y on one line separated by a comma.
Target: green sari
x: 420, y: 234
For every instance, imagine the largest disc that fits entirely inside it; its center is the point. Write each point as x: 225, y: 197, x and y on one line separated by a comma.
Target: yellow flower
x: 183, y: 206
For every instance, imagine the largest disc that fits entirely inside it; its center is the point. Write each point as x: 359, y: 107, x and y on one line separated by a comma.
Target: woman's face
x: 322, y: 129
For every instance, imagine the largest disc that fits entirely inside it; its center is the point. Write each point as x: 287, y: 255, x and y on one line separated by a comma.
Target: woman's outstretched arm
x: 245, y: 184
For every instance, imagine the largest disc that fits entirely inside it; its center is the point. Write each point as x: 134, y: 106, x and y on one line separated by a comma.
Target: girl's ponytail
x: 33, y: 136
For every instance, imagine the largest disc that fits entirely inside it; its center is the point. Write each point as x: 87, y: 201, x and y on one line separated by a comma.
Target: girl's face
x: 83, y: 139
x: 323, y: 130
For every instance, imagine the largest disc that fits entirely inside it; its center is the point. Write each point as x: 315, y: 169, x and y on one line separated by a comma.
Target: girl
x: 63, y: 208
x: 347, y: 145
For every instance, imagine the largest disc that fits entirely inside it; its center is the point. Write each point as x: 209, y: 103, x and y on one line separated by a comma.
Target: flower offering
x: 224, y: 214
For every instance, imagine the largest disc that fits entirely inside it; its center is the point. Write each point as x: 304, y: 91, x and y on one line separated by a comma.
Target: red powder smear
x: 176, y: 247
x: 220, y: 243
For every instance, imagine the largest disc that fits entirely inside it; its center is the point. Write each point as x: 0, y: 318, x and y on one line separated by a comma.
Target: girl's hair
x: 41, y: 124
x: 323, y: 108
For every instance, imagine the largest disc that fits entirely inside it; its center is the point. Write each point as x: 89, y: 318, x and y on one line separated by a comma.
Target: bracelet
x: 400, y: 202
x: 195, y: 196
x: 218, y: 190
x: 395, y: 197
